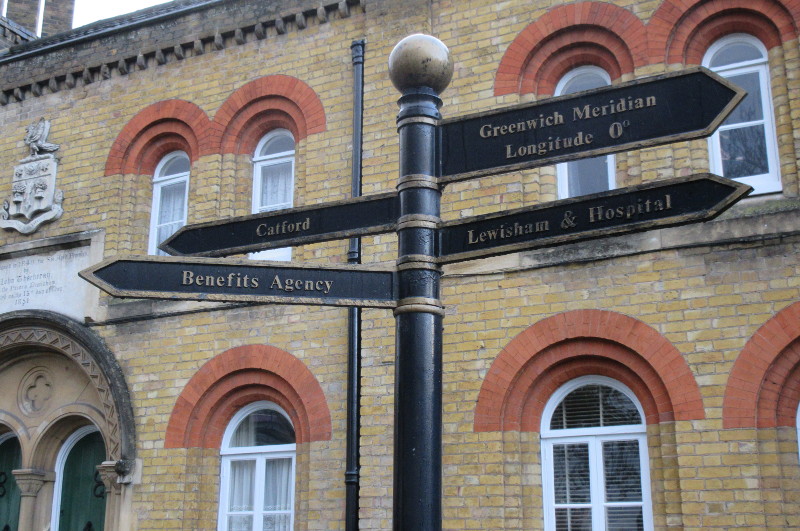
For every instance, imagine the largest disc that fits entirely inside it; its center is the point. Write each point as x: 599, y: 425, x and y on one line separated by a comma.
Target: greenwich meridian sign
x: 207, y: 279
x: 642, y: 113
x: 648, y: 206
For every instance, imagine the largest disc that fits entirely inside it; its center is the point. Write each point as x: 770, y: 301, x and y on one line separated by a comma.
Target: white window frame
x: 562, y: 169
x: 61, y: 460
x: 797, y: 427
x: 594, y: 438
x: 283, y: 254
x: 159, y: 182
x: 260, y: 454
x: 771, y: 181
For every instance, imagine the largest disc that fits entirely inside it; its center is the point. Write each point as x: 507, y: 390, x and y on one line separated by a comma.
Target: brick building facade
x: 641, y: 381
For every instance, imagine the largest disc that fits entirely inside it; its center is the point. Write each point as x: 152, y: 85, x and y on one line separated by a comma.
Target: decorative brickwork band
x: 569, y: 36
x: 263, y: 105
x: 157, y: 130
x: 238, y: 377
x: 764, y: 385
x: 580, y: 343
x: 260, y: 106
x: 616, y: 40
x: 681, y: 32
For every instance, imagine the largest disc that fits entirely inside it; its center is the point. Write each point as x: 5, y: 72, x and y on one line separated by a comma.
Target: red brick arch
x: 566, y: 346
x: 764, y: 385
x: 157, y: 130
x: 681, y: 32
x: 571, y: 35
x: 240, y: 376
x: 266, y: 104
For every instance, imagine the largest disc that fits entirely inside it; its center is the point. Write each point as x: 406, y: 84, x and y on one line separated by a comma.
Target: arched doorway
x: 79, y: 491
x: 67, y: 405
x: 10, y: 459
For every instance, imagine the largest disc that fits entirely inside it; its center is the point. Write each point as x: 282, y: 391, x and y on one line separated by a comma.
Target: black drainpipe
x: 352, y: 468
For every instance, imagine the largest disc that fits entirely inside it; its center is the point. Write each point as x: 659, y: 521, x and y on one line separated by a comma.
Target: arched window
x: 592, y: 175
x: 170, y: 198
x: 273, y: 181
x: 594, y: 458
x: 79, y: 496
x: 258, y: 470
x: 10, y: 460
x: 745, y: 146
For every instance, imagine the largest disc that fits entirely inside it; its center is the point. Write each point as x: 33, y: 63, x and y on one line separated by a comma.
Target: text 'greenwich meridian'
x: 555, y: 143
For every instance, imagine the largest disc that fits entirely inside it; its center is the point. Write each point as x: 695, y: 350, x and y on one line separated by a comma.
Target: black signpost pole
x: 420, y: 68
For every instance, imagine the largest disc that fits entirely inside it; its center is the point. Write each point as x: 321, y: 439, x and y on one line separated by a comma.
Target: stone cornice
x: 159, y: 54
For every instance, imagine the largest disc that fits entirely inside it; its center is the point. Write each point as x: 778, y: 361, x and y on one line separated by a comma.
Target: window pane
x: 175, y: 166
x: 594, y: 406
x: 618, y: 410
x: 624, y: 519
x: 585, y: 176
x: 242, y: 483
x: 278, y: 485
x: 172, y: 203
x: 571, y: 473
x: 735, y: 52
x: 590, y: 79
x: 277, y: 522
x: 276, y: 185
x: 574, y: 519
x: 588, y: 176
x: 744, y: 151
x: 240, y: 522
x: 580, y: 409
x: 622, y: 473
x: 279, y: 144
x: 264, y: 427
x: 749, y: 110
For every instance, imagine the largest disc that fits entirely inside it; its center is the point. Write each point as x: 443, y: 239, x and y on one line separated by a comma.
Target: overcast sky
x: 87, y: 11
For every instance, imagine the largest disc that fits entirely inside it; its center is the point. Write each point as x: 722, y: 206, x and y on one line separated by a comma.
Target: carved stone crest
x: 34, y: 198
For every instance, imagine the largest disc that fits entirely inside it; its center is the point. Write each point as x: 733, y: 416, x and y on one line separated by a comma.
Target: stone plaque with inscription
x: 46, y: 281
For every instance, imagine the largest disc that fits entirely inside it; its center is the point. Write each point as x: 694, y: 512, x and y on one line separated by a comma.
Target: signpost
x: 205, y: 279
x: 648, y: 206
x: 642, y: 113
x: 294, y: 226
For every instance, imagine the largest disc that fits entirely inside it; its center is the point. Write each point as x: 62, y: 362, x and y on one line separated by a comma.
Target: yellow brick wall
x: 706, y: 300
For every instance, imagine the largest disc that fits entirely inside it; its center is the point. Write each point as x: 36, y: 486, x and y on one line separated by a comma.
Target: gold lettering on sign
x: 232, y: 280
x: 265, y: 230
x: 289, y: 285
x: 612, y: 107
x: 551, y: 144
x: 633, y: 210
x: 505, y: 231
x: 489, y: 130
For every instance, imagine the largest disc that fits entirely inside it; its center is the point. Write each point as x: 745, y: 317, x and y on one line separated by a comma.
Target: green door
x: 83, y: 504
x: 10, y: 459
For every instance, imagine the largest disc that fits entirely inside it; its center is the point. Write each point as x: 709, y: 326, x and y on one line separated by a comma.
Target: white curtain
x: 241, y: 495
x: 245, y: 434
x: 278, y: 485
x: 276, y: 186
